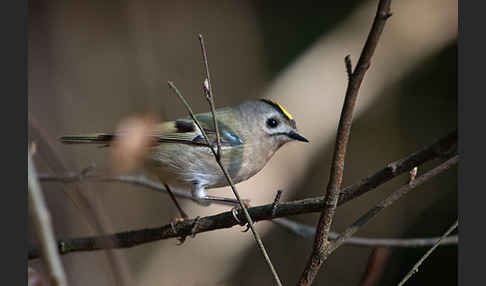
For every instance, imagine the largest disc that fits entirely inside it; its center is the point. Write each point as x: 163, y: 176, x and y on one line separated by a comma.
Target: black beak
x: 296, y: 136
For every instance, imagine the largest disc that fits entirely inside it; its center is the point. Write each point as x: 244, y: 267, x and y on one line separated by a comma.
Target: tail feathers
x: 94, y: 138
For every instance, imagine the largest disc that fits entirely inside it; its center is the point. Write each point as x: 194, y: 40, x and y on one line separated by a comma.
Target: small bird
x: 250, y: 133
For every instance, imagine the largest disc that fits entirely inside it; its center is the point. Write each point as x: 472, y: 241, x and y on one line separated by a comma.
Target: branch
x: 309, y: 231
x: 422, y: 259
x: 226, y: 219
x: 74, y: 177
x: 321, y: 242
x: 442, y: 148
x: 230, y: 182
x: 79, y: 199
x: 373, y: 212
x: 208, y: 91
x: 44, y: 229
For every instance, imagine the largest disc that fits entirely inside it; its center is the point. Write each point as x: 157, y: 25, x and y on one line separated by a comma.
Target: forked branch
x: 321, y: 242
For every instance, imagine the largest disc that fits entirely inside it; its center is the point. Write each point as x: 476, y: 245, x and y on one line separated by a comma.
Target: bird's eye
x: 272, y: 122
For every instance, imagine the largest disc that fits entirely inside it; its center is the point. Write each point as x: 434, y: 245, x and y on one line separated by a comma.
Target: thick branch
x: 337, y: 168
x: 441, y: 148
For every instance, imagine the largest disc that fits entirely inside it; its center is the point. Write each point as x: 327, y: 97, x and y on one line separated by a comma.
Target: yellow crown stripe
x: 284, y: 111
x: 280, y: 108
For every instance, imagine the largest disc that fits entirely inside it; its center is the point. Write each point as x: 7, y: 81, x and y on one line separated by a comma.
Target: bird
x: 250, y: 134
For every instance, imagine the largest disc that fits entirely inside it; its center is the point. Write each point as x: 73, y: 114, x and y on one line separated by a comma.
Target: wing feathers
x: 182, y: 131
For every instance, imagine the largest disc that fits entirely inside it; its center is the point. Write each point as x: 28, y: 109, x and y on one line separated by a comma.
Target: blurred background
x: 95, y: 63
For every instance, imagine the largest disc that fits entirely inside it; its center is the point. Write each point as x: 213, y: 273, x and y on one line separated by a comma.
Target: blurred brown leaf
x: 130, y: 148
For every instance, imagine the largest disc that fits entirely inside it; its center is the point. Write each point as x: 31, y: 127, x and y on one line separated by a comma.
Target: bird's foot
x: 235, y: 211
x: 181, y: 239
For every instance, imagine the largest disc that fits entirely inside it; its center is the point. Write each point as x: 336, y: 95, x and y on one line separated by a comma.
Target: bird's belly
x: 181, y: 164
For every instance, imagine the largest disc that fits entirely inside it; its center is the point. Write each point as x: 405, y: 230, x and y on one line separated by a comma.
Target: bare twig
x: 334, y: 186
x: 396, y: 195
x: 73, y: 177
x: 176, y: 203
x: 443, y: 148
x: 422, y: 259
x: 307, y: 231
x: 398, y: 242
x: 349, y: 66
x: 208, y: 92
x: 191, y: 113
x: 91, y: 215
x: 44, y: 229
x: 230, y: 182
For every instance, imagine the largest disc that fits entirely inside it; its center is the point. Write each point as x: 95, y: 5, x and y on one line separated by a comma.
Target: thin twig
x: 233, y: 188
x: 349, y: 66
x: 307, y: 231
x: 442, y: 148
x: 176, y: 203
x: 92, y: 216
x: 44, y: 229
x: 396, y: 195
x: 321, y: 242
x: 208, y: 91
x: 73, y: 177
x: 422, y: 259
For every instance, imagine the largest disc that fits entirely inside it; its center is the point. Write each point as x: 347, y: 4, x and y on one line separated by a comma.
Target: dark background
x: 93, y: 63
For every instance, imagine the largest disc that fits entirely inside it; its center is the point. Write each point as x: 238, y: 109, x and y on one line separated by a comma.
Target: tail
x: 93, y: 138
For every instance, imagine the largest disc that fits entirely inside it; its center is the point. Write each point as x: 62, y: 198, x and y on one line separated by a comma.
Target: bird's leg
x: 181, y: 212
x: 176, y: 203
x: 201, y: 197
x: 199, y: 194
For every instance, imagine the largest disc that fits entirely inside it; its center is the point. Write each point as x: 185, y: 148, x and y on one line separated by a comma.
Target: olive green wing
x: 182, y: 131
x: 186, y: 131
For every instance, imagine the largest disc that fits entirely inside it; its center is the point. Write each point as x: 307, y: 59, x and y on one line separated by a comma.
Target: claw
x: 180, y: 239
x: 246, y: 203
x: 247, y: 228
x: 234, y: 212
